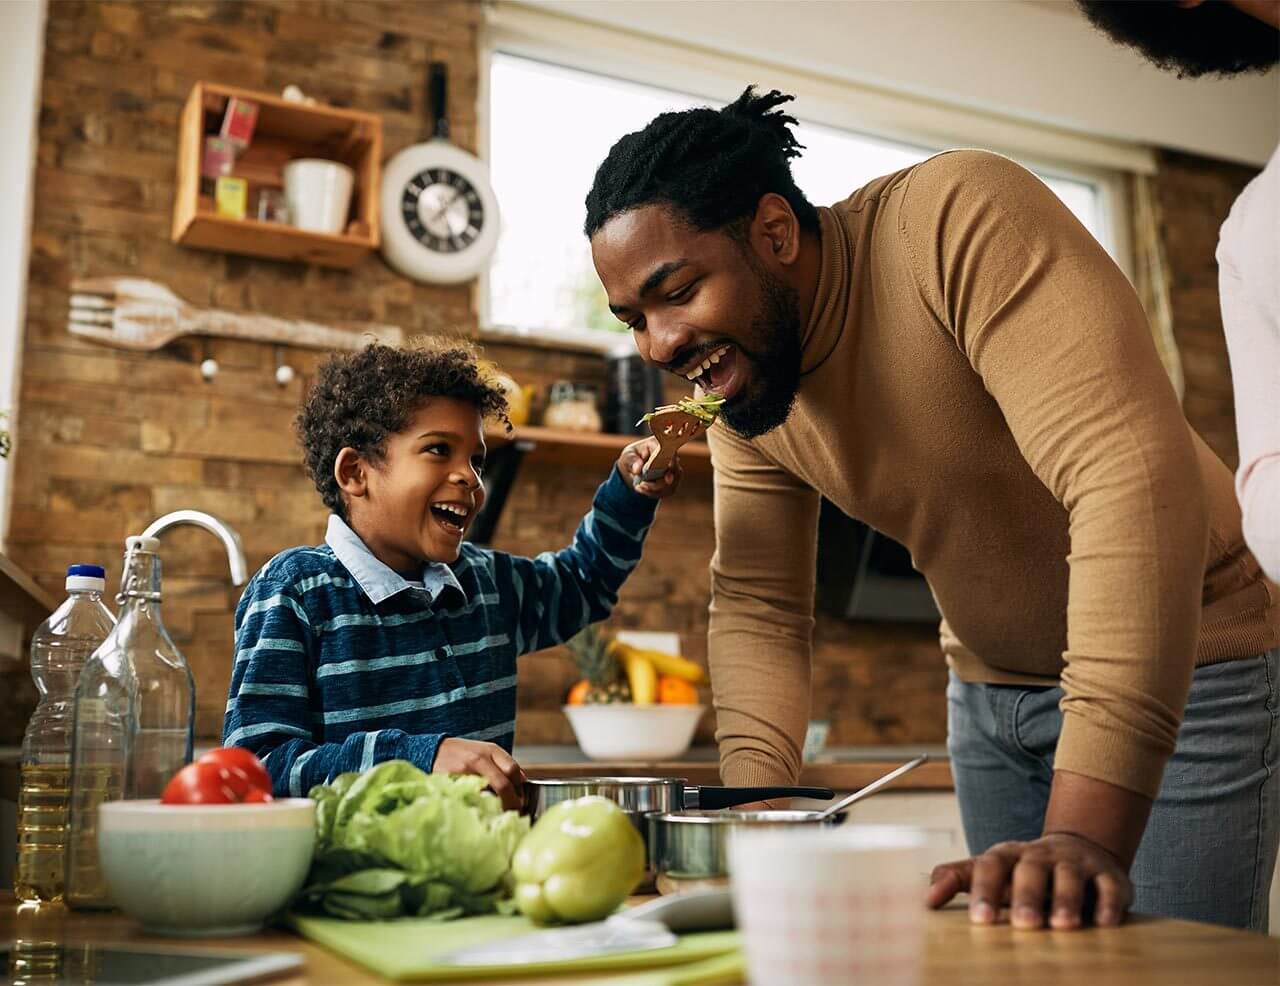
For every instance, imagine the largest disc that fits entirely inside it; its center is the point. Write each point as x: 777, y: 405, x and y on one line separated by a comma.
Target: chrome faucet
x: 224, y: 533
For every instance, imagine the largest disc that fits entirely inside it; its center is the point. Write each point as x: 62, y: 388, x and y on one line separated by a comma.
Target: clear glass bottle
x: 135, y: 706
x: 59, y: 649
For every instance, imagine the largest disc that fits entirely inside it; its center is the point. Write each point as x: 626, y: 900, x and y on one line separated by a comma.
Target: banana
x: 672, y: 664
x: 641, y: 676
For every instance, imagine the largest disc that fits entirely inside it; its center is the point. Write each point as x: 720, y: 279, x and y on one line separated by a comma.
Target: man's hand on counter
x: 1077, y: 870
x: 1051, y: 877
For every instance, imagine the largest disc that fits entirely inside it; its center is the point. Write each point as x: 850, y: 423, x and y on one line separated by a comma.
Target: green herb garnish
x: 704, y: 408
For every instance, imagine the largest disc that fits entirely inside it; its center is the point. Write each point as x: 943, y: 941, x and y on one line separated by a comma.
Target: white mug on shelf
x: 318, y: 194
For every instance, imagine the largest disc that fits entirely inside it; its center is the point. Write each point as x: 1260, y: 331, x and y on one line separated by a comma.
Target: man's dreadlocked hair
x: 712, y: 166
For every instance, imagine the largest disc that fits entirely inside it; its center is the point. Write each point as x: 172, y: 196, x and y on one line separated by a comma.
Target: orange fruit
x: 676, y: 691
x: 578, y: 693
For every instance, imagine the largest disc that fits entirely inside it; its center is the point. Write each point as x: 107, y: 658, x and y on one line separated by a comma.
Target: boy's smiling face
x: 416, y: 502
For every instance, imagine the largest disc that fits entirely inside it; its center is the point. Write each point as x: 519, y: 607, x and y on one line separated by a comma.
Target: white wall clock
x: 439, y: 214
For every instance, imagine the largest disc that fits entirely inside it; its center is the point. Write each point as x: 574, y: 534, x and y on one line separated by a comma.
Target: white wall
x: 1033, y: 60
x: 21, y: 55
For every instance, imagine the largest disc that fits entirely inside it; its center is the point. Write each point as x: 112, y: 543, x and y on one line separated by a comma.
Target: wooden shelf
x: 21, y: 598
x: 284, y: 131
x: 591, y: 448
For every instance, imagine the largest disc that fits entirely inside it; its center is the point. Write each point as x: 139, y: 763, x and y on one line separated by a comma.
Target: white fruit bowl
x: 634, y: 732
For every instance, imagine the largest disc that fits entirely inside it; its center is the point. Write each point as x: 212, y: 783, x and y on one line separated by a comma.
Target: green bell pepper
x: 579, y: 862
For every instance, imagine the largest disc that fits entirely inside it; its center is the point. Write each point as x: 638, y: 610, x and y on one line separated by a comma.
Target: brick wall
x: 109, y: 440
x: 1193, y: 196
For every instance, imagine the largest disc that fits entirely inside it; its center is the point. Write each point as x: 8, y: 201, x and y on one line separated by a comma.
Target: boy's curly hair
x: 359, y: 399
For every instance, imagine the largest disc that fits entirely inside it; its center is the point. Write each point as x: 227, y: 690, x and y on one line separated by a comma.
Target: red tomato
x: 200, y: 784
x: 246, y: 770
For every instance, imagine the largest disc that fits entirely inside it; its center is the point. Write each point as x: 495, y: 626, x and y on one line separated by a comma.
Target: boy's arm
x: 269, y: 710
x: 558, y: 593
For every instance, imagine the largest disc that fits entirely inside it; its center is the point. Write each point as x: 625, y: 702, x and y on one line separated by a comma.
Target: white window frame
x: 516, y: 29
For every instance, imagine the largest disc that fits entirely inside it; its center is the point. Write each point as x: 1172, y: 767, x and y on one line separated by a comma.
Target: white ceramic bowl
x: 634, y: 732
x: 205, y: 870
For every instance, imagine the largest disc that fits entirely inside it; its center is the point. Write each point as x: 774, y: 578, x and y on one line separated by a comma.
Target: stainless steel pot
x: 694, y: 845
x: 690, y: 849
x: 640, y: 797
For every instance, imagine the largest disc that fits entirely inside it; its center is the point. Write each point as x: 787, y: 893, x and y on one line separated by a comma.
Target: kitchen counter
x: 1144, y: 951
x: 841, y: 769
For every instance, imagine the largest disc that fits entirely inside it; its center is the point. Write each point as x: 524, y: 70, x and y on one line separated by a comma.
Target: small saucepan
x: 690, y: 849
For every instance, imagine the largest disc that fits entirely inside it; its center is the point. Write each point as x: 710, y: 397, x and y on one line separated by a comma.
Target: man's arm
x: 1062, y: 345
x: 761, y: 625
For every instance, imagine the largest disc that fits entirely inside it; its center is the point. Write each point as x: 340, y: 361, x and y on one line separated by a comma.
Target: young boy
x: 395, y: 639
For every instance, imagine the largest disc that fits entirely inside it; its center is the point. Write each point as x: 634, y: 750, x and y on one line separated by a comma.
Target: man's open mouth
x: 452, y: 517
x: 721, y: 371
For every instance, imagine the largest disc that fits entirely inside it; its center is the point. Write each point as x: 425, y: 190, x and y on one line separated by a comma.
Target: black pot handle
x: 727, y: 797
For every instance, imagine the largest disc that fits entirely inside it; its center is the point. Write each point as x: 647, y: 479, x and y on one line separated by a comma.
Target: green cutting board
x: 410, y: 949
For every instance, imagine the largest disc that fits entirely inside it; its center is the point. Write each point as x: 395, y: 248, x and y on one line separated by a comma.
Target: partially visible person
x: 395, y: 639
x: 1229, y: 37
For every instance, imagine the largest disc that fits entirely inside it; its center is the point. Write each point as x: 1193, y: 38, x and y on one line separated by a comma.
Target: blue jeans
x: 1210, y: 848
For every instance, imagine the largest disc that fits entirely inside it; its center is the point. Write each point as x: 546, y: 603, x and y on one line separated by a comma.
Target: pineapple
x: 592, y: 653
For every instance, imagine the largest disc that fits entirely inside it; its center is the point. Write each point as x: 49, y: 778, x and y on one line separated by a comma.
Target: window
x: 550, y: 127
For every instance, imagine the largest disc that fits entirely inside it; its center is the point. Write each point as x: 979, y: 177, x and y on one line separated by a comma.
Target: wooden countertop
x: 1144, y: 951
x: 839, y: 776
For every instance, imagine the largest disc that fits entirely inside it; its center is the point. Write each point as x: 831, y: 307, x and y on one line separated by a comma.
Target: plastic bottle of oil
x: 59, y: 650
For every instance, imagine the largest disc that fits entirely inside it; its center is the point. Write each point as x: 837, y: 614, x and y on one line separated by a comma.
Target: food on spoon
x: 705, y: 408
x: 580, y: 861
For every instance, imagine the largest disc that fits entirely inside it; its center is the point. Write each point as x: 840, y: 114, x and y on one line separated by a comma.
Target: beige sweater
x: 980, y: 384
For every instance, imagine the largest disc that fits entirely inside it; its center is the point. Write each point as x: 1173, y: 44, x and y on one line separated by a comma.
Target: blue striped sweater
x: 340, y: 663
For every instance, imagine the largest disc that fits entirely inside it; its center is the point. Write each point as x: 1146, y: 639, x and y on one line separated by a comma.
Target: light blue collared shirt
x: 378, y: 581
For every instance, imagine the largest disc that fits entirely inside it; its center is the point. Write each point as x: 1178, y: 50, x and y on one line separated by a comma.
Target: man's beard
x: 774, y: 336
x: 1212, y: 39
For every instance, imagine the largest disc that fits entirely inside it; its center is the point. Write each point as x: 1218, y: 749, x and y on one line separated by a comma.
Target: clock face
x: 442, y: 210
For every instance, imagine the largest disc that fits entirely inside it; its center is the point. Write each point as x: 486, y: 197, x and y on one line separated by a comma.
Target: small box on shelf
x: 281, y: 132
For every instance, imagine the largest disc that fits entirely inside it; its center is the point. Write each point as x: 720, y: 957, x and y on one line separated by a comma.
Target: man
x: 949, y: 356
x: 1195, y: 38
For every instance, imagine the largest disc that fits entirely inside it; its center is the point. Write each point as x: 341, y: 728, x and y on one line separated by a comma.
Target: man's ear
x: 775, y: 230
x: 351, y: 472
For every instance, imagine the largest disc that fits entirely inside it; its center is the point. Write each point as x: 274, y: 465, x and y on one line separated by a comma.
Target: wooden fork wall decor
x: 135, y: 313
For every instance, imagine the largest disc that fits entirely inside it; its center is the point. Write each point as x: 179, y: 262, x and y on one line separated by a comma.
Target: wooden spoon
x: 673, y: 428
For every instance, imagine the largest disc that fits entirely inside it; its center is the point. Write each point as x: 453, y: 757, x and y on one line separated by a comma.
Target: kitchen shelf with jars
x: 590, y: 448
x: 278, y: 177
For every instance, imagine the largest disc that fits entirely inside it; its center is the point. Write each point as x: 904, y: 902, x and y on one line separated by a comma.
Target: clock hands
x: 439, y: 213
